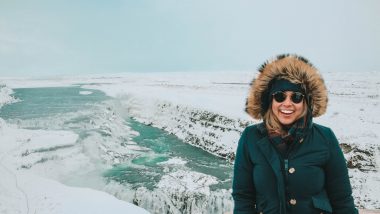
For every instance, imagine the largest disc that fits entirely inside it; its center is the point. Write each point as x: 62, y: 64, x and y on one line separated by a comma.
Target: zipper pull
x: 286, y: 163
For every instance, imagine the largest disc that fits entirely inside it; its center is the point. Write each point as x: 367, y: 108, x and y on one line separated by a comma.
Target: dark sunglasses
x: 295, y: 97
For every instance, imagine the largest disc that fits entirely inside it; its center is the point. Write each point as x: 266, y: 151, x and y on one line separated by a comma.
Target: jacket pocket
x: 321, y: 202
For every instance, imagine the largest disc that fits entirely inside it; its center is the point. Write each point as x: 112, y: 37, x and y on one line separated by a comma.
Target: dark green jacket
x: 313, y: 179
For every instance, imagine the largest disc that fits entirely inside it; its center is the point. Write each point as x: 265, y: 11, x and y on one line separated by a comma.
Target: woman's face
x: 287, y: 112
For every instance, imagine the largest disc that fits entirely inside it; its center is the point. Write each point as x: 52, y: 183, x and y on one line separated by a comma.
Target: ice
x: 24, y: 192
x: 180, y: 191
x: 180, y: 182
x: 85, y: 92
x: 174, y: 161
x: 6, y: 95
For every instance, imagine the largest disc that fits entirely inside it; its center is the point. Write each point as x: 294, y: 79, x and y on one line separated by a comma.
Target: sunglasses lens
x: 279, y: 96
x: 297, y: 97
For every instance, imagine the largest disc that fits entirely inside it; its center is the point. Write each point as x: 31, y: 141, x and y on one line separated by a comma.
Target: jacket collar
x: 298, y: 131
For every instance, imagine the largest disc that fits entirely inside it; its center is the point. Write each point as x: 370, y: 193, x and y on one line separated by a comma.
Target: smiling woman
x: 288, y: 164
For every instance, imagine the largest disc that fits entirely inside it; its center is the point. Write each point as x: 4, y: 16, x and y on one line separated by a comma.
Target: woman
x: 288, y: 164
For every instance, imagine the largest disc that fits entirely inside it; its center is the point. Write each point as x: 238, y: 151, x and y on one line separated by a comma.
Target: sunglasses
x: 295, y: 97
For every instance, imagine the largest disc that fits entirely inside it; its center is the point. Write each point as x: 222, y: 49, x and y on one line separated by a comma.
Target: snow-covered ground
x: 207, y: 110
x: 26, y: 191
x: 5, y: 95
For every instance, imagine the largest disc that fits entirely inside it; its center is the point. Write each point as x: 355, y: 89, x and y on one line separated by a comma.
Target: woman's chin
x: 287, y: 120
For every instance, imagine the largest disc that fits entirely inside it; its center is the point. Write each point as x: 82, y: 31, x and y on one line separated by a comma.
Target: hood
x: 297, y: 70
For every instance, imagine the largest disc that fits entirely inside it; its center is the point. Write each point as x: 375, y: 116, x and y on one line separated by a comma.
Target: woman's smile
x: 287, y: 112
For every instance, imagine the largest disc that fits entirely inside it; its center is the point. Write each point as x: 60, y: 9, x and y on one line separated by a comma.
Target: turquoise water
x: 164, y: 147
x: 44, y: 102
x: 64, y: 108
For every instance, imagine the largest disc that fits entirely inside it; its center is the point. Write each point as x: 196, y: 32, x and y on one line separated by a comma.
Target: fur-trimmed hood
x: 297, y: 70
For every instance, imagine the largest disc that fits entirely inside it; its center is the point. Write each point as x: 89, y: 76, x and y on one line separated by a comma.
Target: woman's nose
x: 287, y: 100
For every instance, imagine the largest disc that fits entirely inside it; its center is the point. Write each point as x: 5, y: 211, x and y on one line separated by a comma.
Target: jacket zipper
x: 286, y: 166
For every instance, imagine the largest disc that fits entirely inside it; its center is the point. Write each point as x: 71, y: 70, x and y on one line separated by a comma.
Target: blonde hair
x: 272, y: 123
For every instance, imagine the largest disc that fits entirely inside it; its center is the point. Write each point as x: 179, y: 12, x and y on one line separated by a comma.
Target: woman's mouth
x: 286, y: 111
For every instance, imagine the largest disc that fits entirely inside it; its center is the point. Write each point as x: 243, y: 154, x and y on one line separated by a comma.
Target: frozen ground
x: 33, y: 191
x: 207, y: 110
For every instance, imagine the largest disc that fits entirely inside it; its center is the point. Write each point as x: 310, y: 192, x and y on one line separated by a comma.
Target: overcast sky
x: 97, y: 36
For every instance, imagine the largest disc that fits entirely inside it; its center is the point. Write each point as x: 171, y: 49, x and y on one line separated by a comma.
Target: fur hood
x: 297, y: 70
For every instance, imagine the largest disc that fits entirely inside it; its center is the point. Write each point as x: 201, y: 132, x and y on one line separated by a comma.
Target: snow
x: 53, y: 198
x: 28, y: 192
x: 85, y: 92
x: 5, y: 95
x: 184, y: 182
x: 174, y: 161
x: 207, y: 110
x: 168, y: 100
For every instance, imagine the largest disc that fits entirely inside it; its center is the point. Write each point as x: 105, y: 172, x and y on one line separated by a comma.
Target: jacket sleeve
x: 243, y: 191
x: 338, y: 185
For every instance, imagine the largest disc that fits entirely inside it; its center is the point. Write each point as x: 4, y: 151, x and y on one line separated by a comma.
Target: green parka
x: 316, y: 178
x: 313, y: 177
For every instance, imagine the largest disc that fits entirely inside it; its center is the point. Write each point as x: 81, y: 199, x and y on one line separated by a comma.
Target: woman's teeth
x: 286, y: 111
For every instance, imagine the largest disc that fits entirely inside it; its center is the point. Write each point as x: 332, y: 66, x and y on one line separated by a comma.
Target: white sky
x: 83, y: 36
